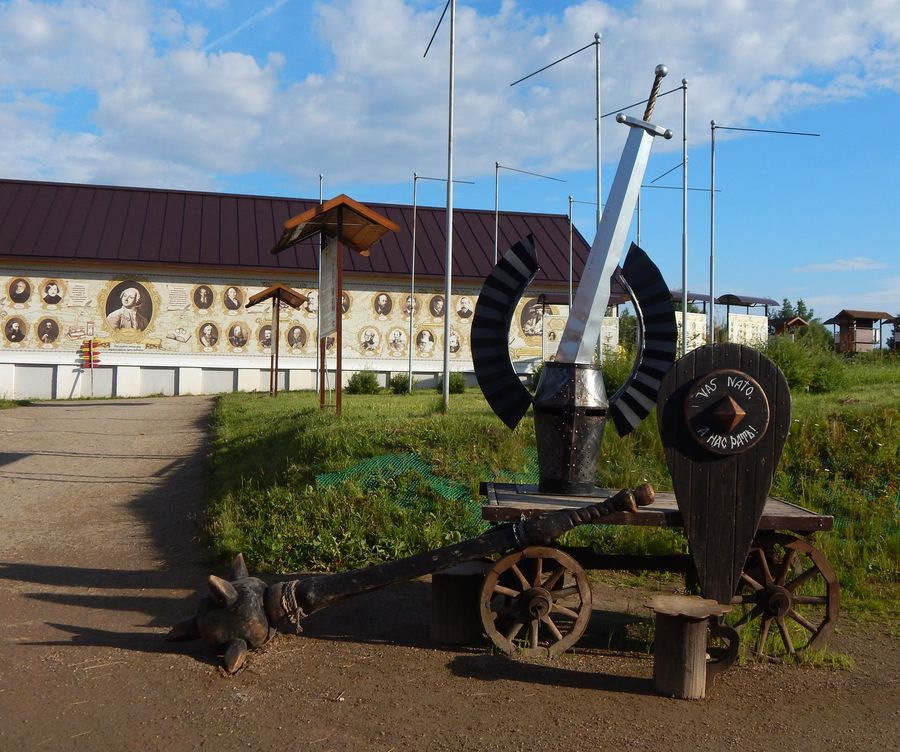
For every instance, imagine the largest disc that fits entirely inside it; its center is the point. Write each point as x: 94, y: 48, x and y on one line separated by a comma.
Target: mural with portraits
x: 208, y: 317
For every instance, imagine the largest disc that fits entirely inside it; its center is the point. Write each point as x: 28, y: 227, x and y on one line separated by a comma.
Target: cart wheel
x: 536, y: 602
x: 789, y: 597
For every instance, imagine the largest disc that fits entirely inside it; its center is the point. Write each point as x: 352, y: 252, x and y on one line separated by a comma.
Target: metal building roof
x: 744, y: 300
x: 74, y: 223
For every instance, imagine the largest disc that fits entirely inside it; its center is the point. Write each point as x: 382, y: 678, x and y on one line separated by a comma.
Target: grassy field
x: 396, y: 476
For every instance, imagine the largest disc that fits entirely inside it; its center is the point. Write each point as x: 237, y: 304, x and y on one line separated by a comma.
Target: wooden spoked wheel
x: 536, y: 602
x: 789, y: 597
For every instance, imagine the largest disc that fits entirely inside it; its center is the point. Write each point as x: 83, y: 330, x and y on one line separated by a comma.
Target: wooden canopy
x: 353, y: 223
x: 281, y: 293
x: 848, y: 316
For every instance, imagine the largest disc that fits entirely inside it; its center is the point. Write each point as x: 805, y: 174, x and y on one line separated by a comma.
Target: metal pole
x: 448, y: 256
x: 412, y: 286
x: 638, y: 235
x: 712, y: 232
x: 496, y: 207
x: 320, y: 361
x: 684, y: 217
x: 570, y: 251
x: 599, y: 179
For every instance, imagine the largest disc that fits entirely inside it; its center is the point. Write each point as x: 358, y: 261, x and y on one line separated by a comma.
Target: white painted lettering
x: 742, y: 385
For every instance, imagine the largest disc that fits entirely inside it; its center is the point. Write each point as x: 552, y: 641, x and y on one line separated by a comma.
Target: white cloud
x: 171, y: 109
x: 855, y: 264
x: 267, y: 11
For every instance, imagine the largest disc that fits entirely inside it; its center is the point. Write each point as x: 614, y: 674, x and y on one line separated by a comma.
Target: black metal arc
x: 658, y: 346
x: 501, y: 292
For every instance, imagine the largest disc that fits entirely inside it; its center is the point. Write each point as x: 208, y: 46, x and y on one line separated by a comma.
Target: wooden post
x: 272, y: 349
x: 276, y: 336
x: 455, y: 618
x: 679, y: 644
x: 338, y: 337
x: 321, y: 370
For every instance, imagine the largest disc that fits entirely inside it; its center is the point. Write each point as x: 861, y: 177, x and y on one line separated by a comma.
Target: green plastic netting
x: 376, y: 471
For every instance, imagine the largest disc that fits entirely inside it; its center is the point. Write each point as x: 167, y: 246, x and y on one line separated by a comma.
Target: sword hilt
x: 661, y: 71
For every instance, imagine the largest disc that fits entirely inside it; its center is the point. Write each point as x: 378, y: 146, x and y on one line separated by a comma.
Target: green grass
x: 842, y: 458
x: 6, y: 404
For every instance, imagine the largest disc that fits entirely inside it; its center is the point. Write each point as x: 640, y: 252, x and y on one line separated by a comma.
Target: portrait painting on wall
x: 233, y: 298
x: 454, y: 343
x: 411, y: 307
x: 19, y: 290
x: 382, y: 305
x: 464, y: 308
x: 436, y: 306
x: 51, y: 293
x: 346, y: 300
x: 532, y: 319
x: 47, y: 331
x: 368, y: 340
x: 129, y: 307
x: 397, y: 341
x: 425, y: 342
x: 208, y: 334
x: 15, y: 329
x: 237, y: 335
x: 264, y: 336
x: 296, y: 337
x: 203, y: 297
x: 311, y: 306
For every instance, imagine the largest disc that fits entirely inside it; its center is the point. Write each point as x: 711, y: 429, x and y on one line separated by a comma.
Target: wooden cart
x: 538, y: 600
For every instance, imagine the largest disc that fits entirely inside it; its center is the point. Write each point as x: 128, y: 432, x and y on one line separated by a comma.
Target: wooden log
x: 455, y: 618
x: 679, y: 644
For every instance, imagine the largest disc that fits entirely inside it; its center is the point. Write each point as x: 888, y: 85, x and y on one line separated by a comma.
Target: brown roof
x: 353, y: 223
x: 281, y: 293
x: 847, y: 316
x: 66, y: 223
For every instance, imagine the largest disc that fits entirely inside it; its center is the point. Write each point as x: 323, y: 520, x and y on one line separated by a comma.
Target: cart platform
x: 509, y: 502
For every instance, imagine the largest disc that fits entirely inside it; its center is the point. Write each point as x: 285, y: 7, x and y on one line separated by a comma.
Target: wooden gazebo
x: 342, y: 221
x: 857, y: 330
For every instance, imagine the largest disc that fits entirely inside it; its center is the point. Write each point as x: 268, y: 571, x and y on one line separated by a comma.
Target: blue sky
x: 260, y: 96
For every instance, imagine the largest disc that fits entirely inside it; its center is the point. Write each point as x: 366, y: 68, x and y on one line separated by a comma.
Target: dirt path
x: 99, y: 557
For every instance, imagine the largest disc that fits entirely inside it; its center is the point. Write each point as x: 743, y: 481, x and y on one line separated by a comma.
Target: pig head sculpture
x: 231, y: 617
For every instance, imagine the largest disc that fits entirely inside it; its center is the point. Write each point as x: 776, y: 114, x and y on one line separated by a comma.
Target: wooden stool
x: 679, y: 644
x: 455, y: 592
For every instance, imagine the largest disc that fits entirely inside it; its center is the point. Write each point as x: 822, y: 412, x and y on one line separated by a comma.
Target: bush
x: 400, y: 383
x: 457, y: 383
x: 829, y: 372
x: 808, y: 366
x: 794, y: 359
x: 363, y: 382
x: 617, y: 365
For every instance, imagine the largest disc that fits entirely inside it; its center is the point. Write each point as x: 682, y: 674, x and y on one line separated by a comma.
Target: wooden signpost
x: 345, y: 222
x: 279, y: 294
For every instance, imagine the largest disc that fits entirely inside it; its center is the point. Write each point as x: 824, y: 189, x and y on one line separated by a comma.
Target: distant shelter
x: 858, y: 331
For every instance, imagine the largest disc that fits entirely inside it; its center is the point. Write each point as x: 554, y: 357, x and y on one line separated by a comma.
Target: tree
x: 627, y: 330
x: 787, y: 310
x: 807, y: 314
